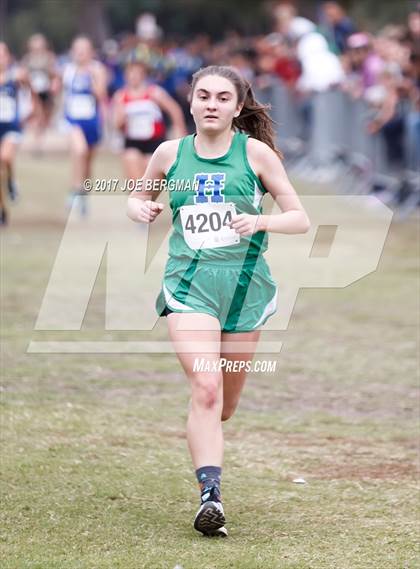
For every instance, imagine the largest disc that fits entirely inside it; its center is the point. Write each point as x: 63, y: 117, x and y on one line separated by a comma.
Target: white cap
x: 299, y: 27
x: 147, y: 28
x: 312, y: 44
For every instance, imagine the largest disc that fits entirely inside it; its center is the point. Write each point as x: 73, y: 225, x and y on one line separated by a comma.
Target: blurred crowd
x: 304, y: 57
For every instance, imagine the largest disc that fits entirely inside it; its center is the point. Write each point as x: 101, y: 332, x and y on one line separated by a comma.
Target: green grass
x: 95, y: 468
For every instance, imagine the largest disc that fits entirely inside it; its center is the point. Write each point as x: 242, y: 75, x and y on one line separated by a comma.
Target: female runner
x: 41, y: 65
x: 217, y: 288
x: 12, y: 77
x: 85, y: 91
x: 138, y: 113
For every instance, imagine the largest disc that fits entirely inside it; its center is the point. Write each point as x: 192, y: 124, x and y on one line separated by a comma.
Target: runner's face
x: 82, y: 51
x: 37, y: 44
x: 214, y: 104
x: 135, y: 75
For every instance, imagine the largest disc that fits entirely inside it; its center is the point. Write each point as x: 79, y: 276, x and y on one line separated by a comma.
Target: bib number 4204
x: 204, y: 223
x: 206, y: 226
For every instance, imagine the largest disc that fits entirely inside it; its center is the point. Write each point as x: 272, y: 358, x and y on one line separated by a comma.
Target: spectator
x: 284, y: 14
x: 298, y: 28
x: 186, y: 58
x: 243, y: 60
x: 111, y: 59
x: 285, y: 64
x: 321, y: 69
x: 363, y: 64
x: 388, y: 119
x: 412, y: 37
x: 336, y: 26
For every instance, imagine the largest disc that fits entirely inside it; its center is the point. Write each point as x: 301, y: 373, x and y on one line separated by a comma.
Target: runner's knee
x: 206, y: 391
x: 80, y: 151
x: 6, y: 156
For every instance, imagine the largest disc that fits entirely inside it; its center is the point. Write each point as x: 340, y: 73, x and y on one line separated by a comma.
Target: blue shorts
x: 91, y: 129
x: 10, y: 129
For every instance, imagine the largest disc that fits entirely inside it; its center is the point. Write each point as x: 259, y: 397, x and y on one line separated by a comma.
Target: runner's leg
x: 233, y: 381
x: 90, y: 154
x: 79, y: 154
x: 8, y: 148
x: 204, y: 428
x: 134, y: 163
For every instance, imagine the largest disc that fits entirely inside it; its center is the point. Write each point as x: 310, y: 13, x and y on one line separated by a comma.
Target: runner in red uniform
x: 138, y: 113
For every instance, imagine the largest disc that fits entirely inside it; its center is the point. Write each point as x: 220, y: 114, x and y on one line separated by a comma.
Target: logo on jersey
x: 209, y: 187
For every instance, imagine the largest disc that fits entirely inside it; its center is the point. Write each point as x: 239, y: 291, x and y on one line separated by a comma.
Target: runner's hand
x: 245, y: 224
x: 149, y: 210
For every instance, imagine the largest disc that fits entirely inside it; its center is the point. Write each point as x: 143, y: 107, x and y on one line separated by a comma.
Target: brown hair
x: 253, y: 118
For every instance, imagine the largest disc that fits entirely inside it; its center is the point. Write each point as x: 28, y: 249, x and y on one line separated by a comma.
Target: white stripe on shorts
x: 172, y: 302
x: 269, y: 309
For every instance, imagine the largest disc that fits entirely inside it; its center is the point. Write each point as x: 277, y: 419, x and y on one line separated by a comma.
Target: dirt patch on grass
x: 329, y: 458
x: 370, y: 401
x: 381, y: 471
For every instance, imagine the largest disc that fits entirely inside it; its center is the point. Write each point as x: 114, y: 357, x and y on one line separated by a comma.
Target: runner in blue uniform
x: 12, y: 77
x: 85, y: 90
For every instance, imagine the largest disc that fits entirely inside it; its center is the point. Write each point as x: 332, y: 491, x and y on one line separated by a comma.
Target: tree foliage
x: 61, y: 20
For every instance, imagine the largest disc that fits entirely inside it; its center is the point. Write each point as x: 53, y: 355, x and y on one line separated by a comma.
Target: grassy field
x: 95, y: 468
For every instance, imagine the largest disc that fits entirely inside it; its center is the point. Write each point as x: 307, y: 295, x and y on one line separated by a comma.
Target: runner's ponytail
x: 255, y: 120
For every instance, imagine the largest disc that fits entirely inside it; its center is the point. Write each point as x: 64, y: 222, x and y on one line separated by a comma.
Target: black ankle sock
x: 209, y: 477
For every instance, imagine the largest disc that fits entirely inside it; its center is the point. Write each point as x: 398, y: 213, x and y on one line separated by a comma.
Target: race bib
x: 140, y: 127
x: 7, y: 108
x: 81, y: 107
x: 206, y: 226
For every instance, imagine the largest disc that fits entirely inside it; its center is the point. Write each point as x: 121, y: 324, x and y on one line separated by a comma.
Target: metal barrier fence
x: 325, y: 138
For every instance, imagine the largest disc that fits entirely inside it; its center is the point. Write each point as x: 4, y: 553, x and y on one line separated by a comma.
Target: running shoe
x: 210, y: 518
x: 220, y: 532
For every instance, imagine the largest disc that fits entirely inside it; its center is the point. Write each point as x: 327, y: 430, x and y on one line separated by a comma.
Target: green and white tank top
x: 204, y: 193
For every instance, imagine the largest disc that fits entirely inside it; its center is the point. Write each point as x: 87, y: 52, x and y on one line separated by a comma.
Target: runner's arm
x: 159, y: 164
x: 118, y: 111
x: 170, y: 106
x: 99, y: 82
x: 269, y: 168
